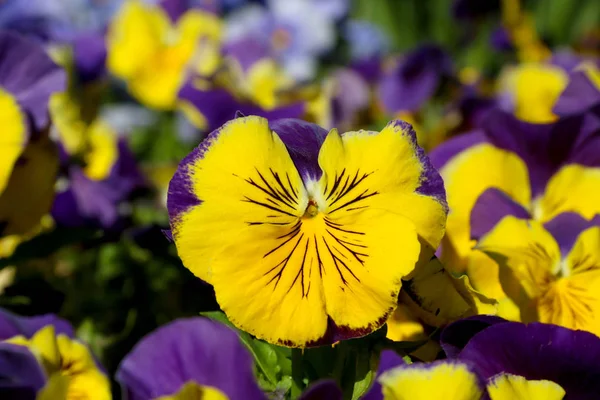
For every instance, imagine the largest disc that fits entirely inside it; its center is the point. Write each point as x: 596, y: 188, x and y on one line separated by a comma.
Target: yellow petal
x: 424, y: 382
x: 528, y: 257
x: 13, y: 138
x: 103, y: 151
x: 389, y: 170
x: 512, y: 387
x: 573, y: 300
x: 466, y: 177
x: 29, y: 192
x: 56, y: 388
x: 193, y: 391
x: 438, y: 298
x: 573, y: 188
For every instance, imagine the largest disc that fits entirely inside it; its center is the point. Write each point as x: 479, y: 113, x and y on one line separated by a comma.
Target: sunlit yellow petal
x: 265, y: 79
x: 535, y: 87
x: 485, y: 166
x: 43, y: 345
x: 13, y: 138
x: 134, y: 36
x: 388, y: 171
x: 528, y: 257
x: 86, y: 381
x: 193, y: 391
x: 66, y: 118
x: 573, y: 299
x: 441, y: 381
x: 512, y: 387
x: 103, y: 150
x: 573, y: 188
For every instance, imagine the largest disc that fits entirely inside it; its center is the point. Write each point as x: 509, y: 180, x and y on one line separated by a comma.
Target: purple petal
x: 565, y: 59
x: 543, y: 147
x: 181, y: 195
x: 388, y: 359
x: 455, y: 336
x: 447, y: 150
x: 321, y: 390
x: 303, y: 141
x: 566, y: 227
x: 352, y: 96
x: 194, y: 349
x: 30, y: 75
x: 89, y: 56
x: 579, y: 96
x: 415, y: 79
x: 219, y: 106
x: 247, y: 51
x: 491, y: 206
x: 13, y: 325
x: 21, y: 376
x: 538, y: 351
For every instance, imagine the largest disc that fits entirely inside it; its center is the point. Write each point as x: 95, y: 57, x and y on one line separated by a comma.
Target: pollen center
x: 311, y: 210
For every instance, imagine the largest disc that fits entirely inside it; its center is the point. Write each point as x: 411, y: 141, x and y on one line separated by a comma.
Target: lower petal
x: 513, y: 387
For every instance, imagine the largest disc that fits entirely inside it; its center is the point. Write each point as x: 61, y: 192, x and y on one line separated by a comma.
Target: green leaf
x: 273, y: 362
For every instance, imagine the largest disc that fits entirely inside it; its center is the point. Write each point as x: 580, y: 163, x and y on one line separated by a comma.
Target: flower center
x: 311, y: 209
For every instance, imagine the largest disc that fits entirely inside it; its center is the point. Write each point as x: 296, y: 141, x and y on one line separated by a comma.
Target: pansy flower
x: 536, y: 352
x: 100, y: 172
x: 551, y: 272
x: 28, y: 159
x: 530, y: 90
x: 67, y: 369
x: 164, y: 51
x: 547, y: 169
x: 189, y: 359
x: 414, y: 79
x: 247, y: 81
x: 304, y: 234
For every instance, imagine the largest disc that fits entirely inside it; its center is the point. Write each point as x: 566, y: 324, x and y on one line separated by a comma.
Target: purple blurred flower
x: 87, y: 202
x: 297, y: 31
x: 195, y: 351
x: 414, y: 79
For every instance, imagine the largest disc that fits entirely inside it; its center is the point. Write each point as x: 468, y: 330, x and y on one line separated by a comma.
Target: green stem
x: 297, y: 374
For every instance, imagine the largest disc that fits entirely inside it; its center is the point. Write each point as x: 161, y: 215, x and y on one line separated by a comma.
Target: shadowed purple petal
x: 194, y: 349
x: 219, y: 106
x: 447, y: 150
x: 455, y: 336
x: 579, y: 96
x: 89, y: 56
x: 566, y: 227
x: 181, y: 195
x: 389, y: 359
x: 21, y: 376
x: 13, y: 325
x: 491, y: 206
x: 322, y: 390
x: 303, y: 141
x: 30, y: 75
x: 538, y: 351
x: 415, y: 79
x: 543, y: 147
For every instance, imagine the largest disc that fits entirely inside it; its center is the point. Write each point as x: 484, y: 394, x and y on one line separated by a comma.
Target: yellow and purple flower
x: 189, y: 359
x: 28, y: 159
x: 58, y: 366
x: 551, y: 272
x: 304, y: 234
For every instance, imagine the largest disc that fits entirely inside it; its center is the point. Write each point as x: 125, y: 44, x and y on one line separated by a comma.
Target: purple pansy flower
x: 194, y: 351
x: 535, y: 351
x: 87, y: 202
